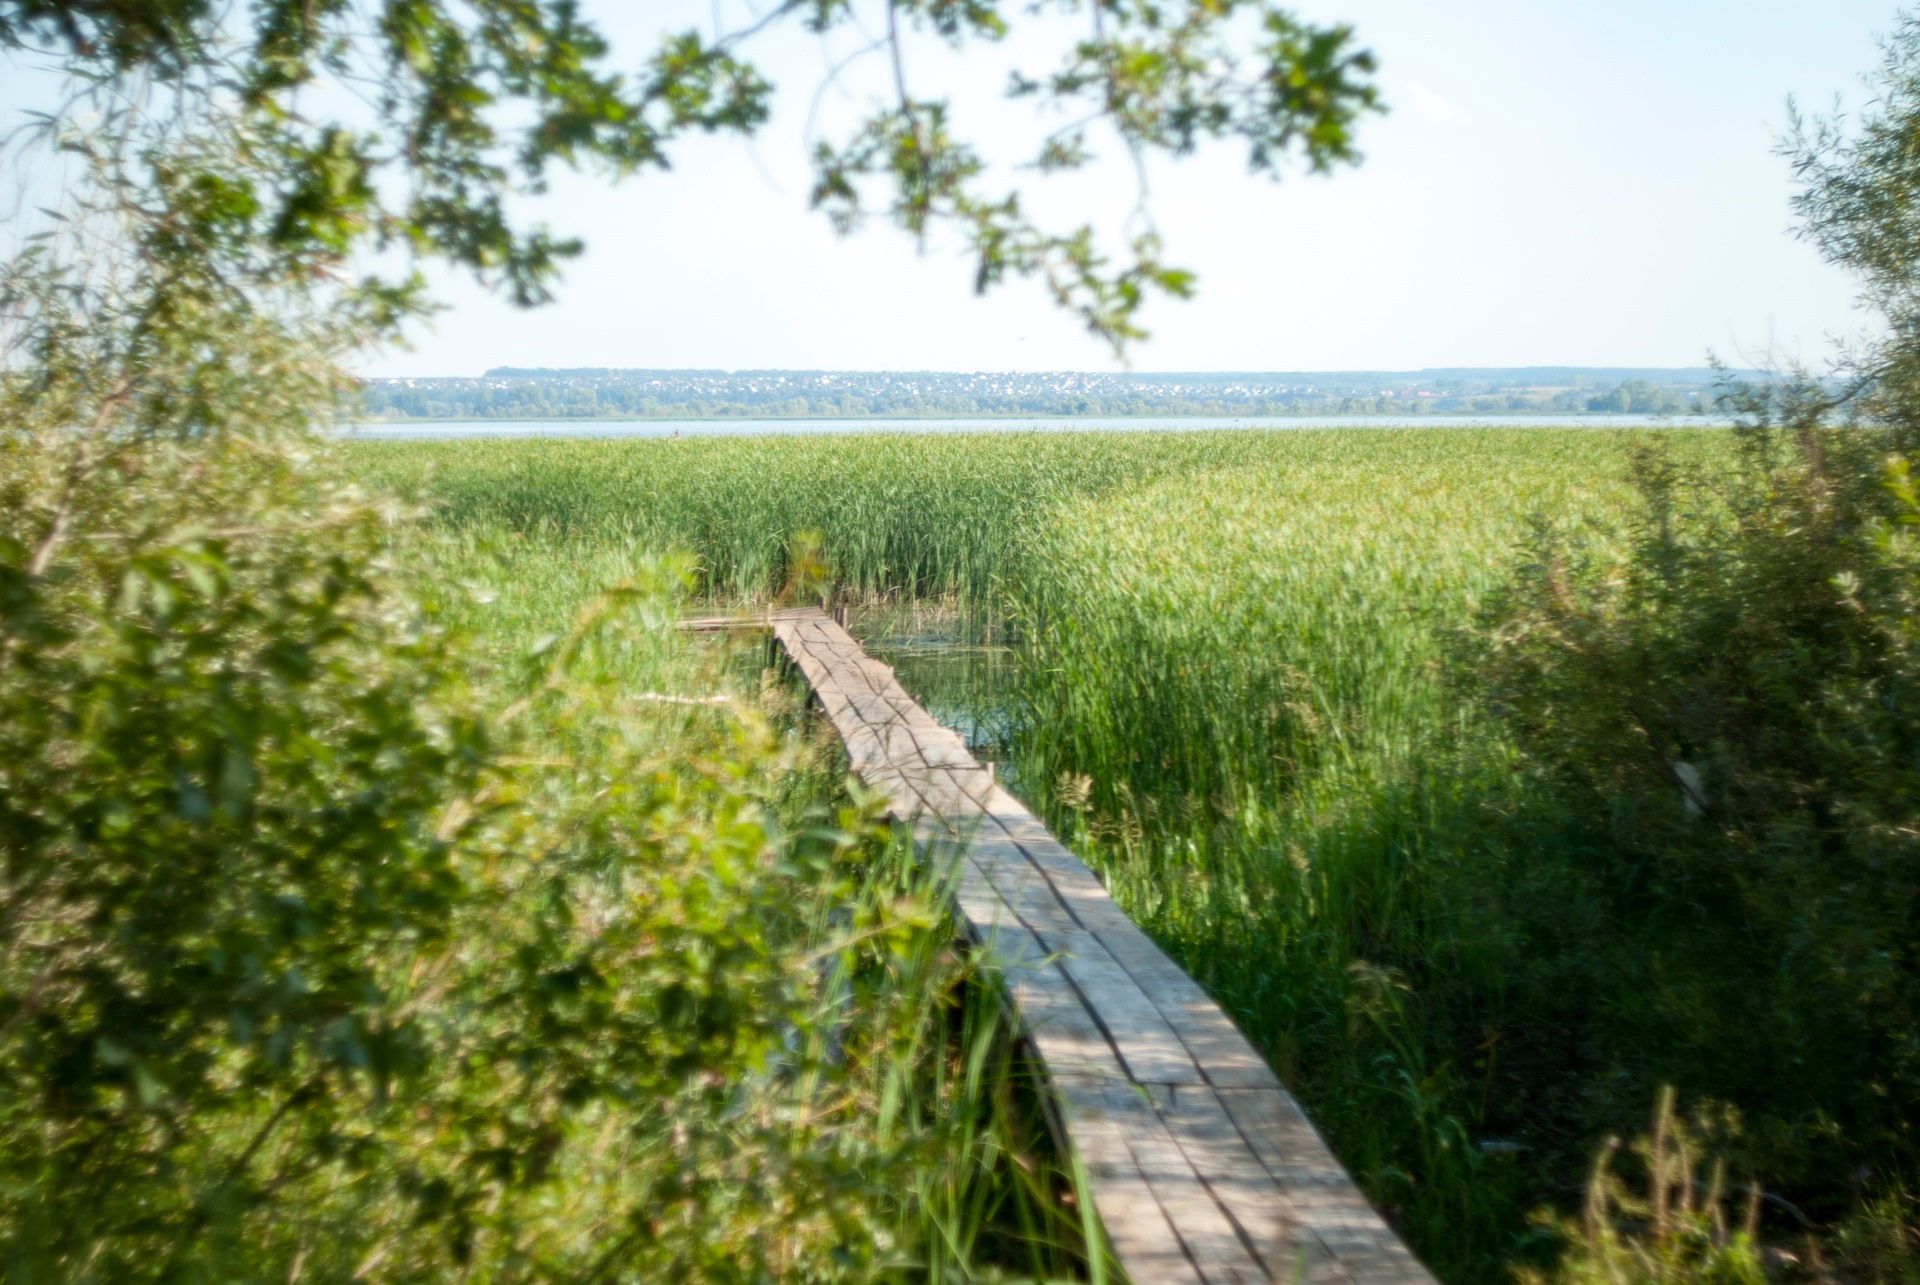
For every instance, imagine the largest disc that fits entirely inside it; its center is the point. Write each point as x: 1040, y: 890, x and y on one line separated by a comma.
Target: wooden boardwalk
x: 1202, y: 1166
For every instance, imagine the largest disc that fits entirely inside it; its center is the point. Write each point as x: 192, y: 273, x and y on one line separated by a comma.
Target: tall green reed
x: 900, y: 514
x: 1234, y: 698
x: 916, y: 1068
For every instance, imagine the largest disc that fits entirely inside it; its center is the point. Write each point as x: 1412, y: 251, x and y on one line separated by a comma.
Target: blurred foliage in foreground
x: 331, y: 948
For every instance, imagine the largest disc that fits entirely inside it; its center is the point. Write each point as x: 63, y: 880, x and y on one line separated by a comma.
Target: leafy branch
x: 230, y: 143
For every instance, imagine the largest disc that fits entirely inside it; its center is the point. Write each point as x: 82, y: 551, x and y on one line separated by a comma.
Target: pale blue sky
x: 1557, y: 184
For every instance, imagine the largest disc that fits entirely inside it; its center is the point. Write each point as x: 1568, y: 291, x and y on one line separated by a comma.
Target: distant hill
x: 512, y: 392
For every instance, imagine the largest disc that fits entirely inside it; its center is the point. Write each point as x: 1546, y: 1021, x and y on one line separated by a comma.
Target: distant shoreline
x: 595, y: 394
x: 821, y: 425
x: 1519, y: 416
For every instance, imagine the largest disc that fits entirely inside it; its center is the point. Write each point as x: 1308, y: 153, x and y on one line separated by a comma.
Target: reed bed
x: 915, y: 515
x: 1232, y: 697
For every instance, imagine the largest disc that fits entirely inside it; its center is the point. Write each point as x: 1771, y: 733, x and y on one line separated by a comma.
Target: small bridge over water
x: 1202, y: 1166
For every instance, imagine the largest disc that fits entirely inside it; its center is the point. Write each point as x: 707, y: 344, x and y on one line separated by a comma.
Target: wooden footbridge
x: 1202, y: 1166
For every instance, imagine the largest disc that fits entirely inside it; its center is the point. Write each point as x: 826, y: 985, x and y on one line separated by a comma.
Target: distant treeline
x: 510, y: 393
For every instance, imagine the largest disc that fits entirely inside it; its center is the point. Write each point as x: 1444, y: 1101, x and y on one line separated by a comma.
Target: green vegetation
x: 1238, y: 706
x: 402, y: 900
x: 1232, y: 637
x: 340, y: 943
x: 1687, y: 1236
x: 1417, y: 822
x: 1643, y: 398
x: 1268, y: 686
x: 921, y: 516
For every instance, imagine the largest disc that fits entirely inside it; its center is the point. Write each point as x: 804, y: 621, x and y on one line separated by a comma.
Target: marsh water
x: 961, y: 667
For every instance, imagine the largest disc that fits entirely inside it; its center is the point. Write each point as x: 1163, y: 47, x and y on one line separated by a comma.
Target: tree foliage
x: 317, y: 963
x: 1857, y: 204
x: 1724, y: 694
x: 411, y: 123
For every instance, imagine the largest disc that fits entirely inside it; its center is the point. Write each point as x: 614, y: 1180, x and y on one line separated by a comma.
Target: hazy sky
x: 1557, y: 183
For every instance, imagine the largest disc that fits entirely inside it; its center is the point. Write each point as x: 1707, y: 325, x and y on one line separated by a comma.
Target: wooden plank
x: 1320, y: 1196
x: 1206, y: 1230
x: 1203, y: 1169
x: 1219, y: 1153
x: 1207, y: 1236
x: 1153, y: 1054
x: 933, y: 792
x: 762, y: 620
x: 1215, y: 1043
x: 1138, y: 1227
x: 1049, y: 1009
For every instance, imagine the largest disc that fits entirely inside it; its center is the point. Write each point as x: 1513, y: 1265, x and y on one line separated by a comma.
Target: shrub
x: 1727, y: 692
x: 1678, y: 1233
x: 317, y: 964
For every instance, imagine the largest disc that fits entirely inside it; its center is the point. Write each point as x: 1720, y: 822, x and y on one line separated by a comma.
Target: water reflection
x: 958, y: 665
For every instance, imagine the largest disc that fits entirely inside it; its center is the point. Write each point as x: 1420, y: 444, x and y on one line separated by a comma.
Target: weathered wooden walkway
x: 1202, y: 1166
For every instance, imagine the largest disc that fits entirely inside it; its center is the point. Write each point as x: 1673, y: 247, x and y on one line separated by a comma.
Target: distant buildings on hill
x: 596, y: 393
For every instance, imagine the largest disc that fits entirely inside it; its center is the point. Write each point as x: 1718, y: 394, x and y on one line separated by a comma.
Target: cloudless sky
x: 1557, y: 183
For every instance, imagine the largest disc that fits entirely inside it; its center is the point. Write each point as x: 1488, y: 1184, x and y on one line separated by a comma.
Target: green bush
x: 333, y: 948
x: 1729, y: 695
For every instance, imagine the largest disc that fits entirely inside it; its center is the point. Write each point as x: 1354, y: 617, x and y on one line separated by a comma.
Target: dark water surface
x: 960, y: 667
